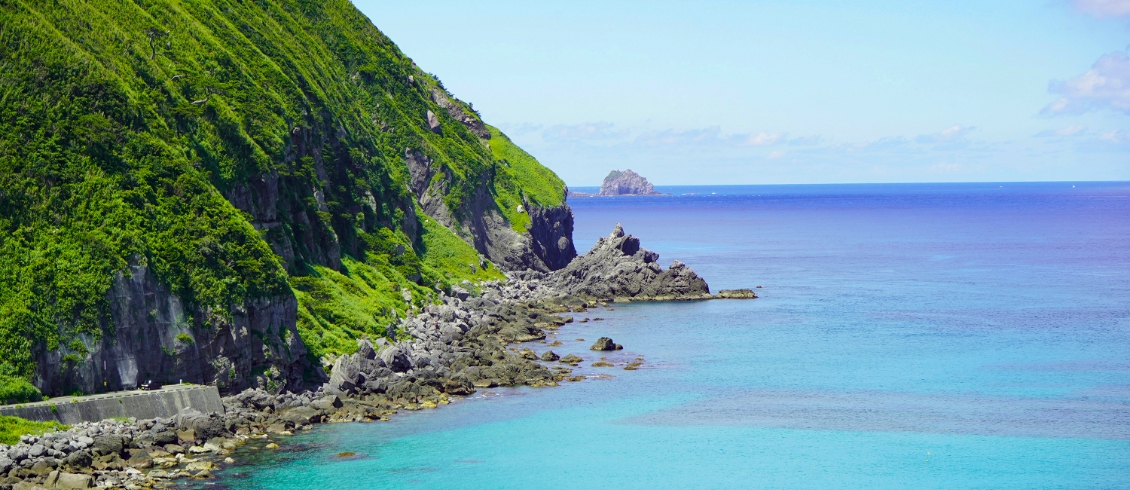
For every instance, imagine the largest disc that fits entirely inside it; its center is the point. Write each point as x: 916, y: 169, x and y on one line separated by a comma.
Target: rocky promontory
x: 626, y: 183
x: 456, y: 347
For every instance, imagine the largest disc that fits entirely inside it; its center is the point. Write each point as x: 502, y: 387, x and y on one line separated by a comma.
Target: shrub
x: 14, y: 389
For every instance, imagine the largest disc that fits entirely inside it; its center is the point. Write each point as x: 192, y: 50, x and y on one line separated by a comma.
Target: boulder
x: 550, y: 356
x: 109, y: 444
x: 345, y: 377
x: 74, y: 480
x: 365, y: 349
x: 605, y: 343
x: 327, y: 403
x: 78, y: 459
x: 202, y: 426
x: 302, y: 416
x: 395, y: 359
x: 460, y: 293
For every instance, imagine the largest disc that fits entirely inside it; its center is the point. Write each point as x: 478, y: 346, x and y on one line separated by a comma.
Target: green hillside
x: 240, y: 150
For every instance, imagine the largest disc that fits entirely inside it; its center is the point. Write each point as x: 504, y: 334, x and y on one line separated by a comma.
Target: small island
x: 626, y: 183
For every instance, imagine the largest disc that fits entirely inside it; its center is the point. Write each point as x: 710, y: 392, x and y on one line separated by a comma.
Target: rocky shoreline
x: 457, y: 347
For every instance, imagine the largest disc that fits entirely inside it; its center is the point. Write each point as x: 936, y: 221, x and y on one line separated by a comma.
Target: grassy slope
x: 123, y: 123
x: 11, y: 428
x: 521, y: 179
x: 365, y: 297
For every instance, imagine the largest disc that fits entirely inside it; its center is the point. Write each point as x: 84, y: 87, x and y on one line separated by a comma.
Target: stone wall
x: 165, y: 402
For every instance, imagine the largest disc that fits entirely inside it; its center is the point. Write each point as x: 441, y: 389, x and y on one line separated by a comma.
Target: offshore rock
x: 737, y: 294
x: 617, y: 268
x: 605, y: 343
x: 626, y: 183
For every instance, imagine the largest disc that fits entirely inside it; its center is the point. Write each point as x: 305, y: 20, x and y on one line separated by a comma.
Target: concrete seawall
x: 165, y: 402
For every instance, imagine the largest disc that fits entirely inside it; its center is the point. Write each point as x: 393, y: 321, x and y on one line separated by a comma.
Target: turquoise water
x: 936, y: 336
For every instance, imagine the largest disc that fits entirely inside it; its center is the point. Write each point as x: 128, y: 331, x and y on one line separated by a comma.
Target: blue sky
x: 752, y: 92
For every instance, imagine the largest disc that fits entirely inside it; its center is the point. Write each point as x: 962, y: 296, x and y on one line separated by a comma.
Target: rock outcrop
x: 155, y: 336
x: 618, y: 268
x: 626, y: 183
x: 547, y: 246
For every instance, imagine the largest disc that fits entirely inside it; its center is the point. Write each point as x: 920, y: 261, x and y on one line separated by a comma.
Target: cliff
x: 223, y: 192
x: 626, y: 183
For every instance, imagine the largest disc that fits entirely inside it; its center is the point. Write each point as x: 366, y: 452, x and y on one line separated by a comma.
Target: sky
x: 785, y: 92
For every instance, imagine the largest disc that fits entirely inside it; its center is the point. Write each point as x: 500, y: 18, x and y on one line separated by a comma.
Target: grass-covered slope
x: 521, y: 178
x: 241, y: 150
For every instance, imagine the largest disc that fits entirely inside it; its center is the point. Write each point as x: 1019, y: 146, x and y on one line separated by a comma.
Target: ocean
x: 906, y: 335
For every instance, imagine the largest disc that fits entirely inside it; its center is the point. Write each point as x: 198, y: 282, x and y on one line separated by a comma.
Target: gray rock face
x: 433, y: 122
x: 259, y: 336
x: 546, y: 247
x: 617, y: 267
x: 457, y: 112
x: 626, y: 183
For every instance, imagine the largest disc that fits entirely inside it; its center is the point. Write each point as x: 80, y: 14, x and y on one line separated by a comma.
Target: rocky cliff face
x: 626, y: 183
x: 547, y: 246
x: 155, y: 337
x: 308, y: 134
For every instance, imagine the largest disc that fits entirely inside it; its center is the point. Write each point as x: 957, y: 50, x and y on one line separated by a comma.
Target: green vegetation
x: 128, y: 130
x: 520, y: 180
x: 453, y: 258
x: 184, y: 338
x: 365, y: 297
x: 14, y: 389
x: 11, y: 428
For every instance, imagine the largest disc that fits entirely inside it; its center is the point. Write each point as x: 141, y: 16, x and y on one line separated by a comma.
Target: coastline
x: 457, y: 346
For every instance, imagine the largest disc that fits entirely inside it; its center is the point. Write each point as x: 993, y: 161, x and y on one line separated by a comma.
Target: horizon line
x: 889, y: 183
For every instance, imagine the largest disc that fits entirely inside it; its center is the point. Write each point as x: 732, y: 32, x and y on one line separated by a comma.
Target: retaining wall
x: 165, y: 402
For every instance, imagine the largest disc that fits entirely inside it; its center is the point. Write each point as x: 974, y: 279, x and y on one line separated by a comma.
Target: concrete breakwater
x: 165, y: 402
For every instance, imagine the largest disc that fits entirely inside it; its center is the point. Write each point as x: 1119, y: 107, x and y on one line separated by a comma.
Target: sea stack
x: 626, y: 183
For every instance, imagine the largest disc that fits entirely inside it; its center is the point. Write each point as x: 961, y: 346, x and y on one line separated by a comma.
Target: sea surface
x: 919, y: 335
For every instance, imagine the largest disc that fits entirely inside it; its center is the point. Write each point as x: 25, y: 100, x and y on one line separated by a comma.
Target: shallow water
x: 941, y: 336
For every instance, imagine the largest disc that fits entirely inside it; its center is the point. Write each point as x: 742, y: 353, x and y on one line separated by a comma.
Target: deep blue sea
x: 919, y: 335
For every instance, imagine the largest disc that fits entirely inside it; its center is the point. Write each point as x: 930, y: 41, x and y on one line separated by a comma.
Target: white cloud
x: 1062, y: 132
x: 762, y: 139
x: 951, y: 134
x: 1105, y: 85
x: 1104, y: 8
x: 1115, y: 136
